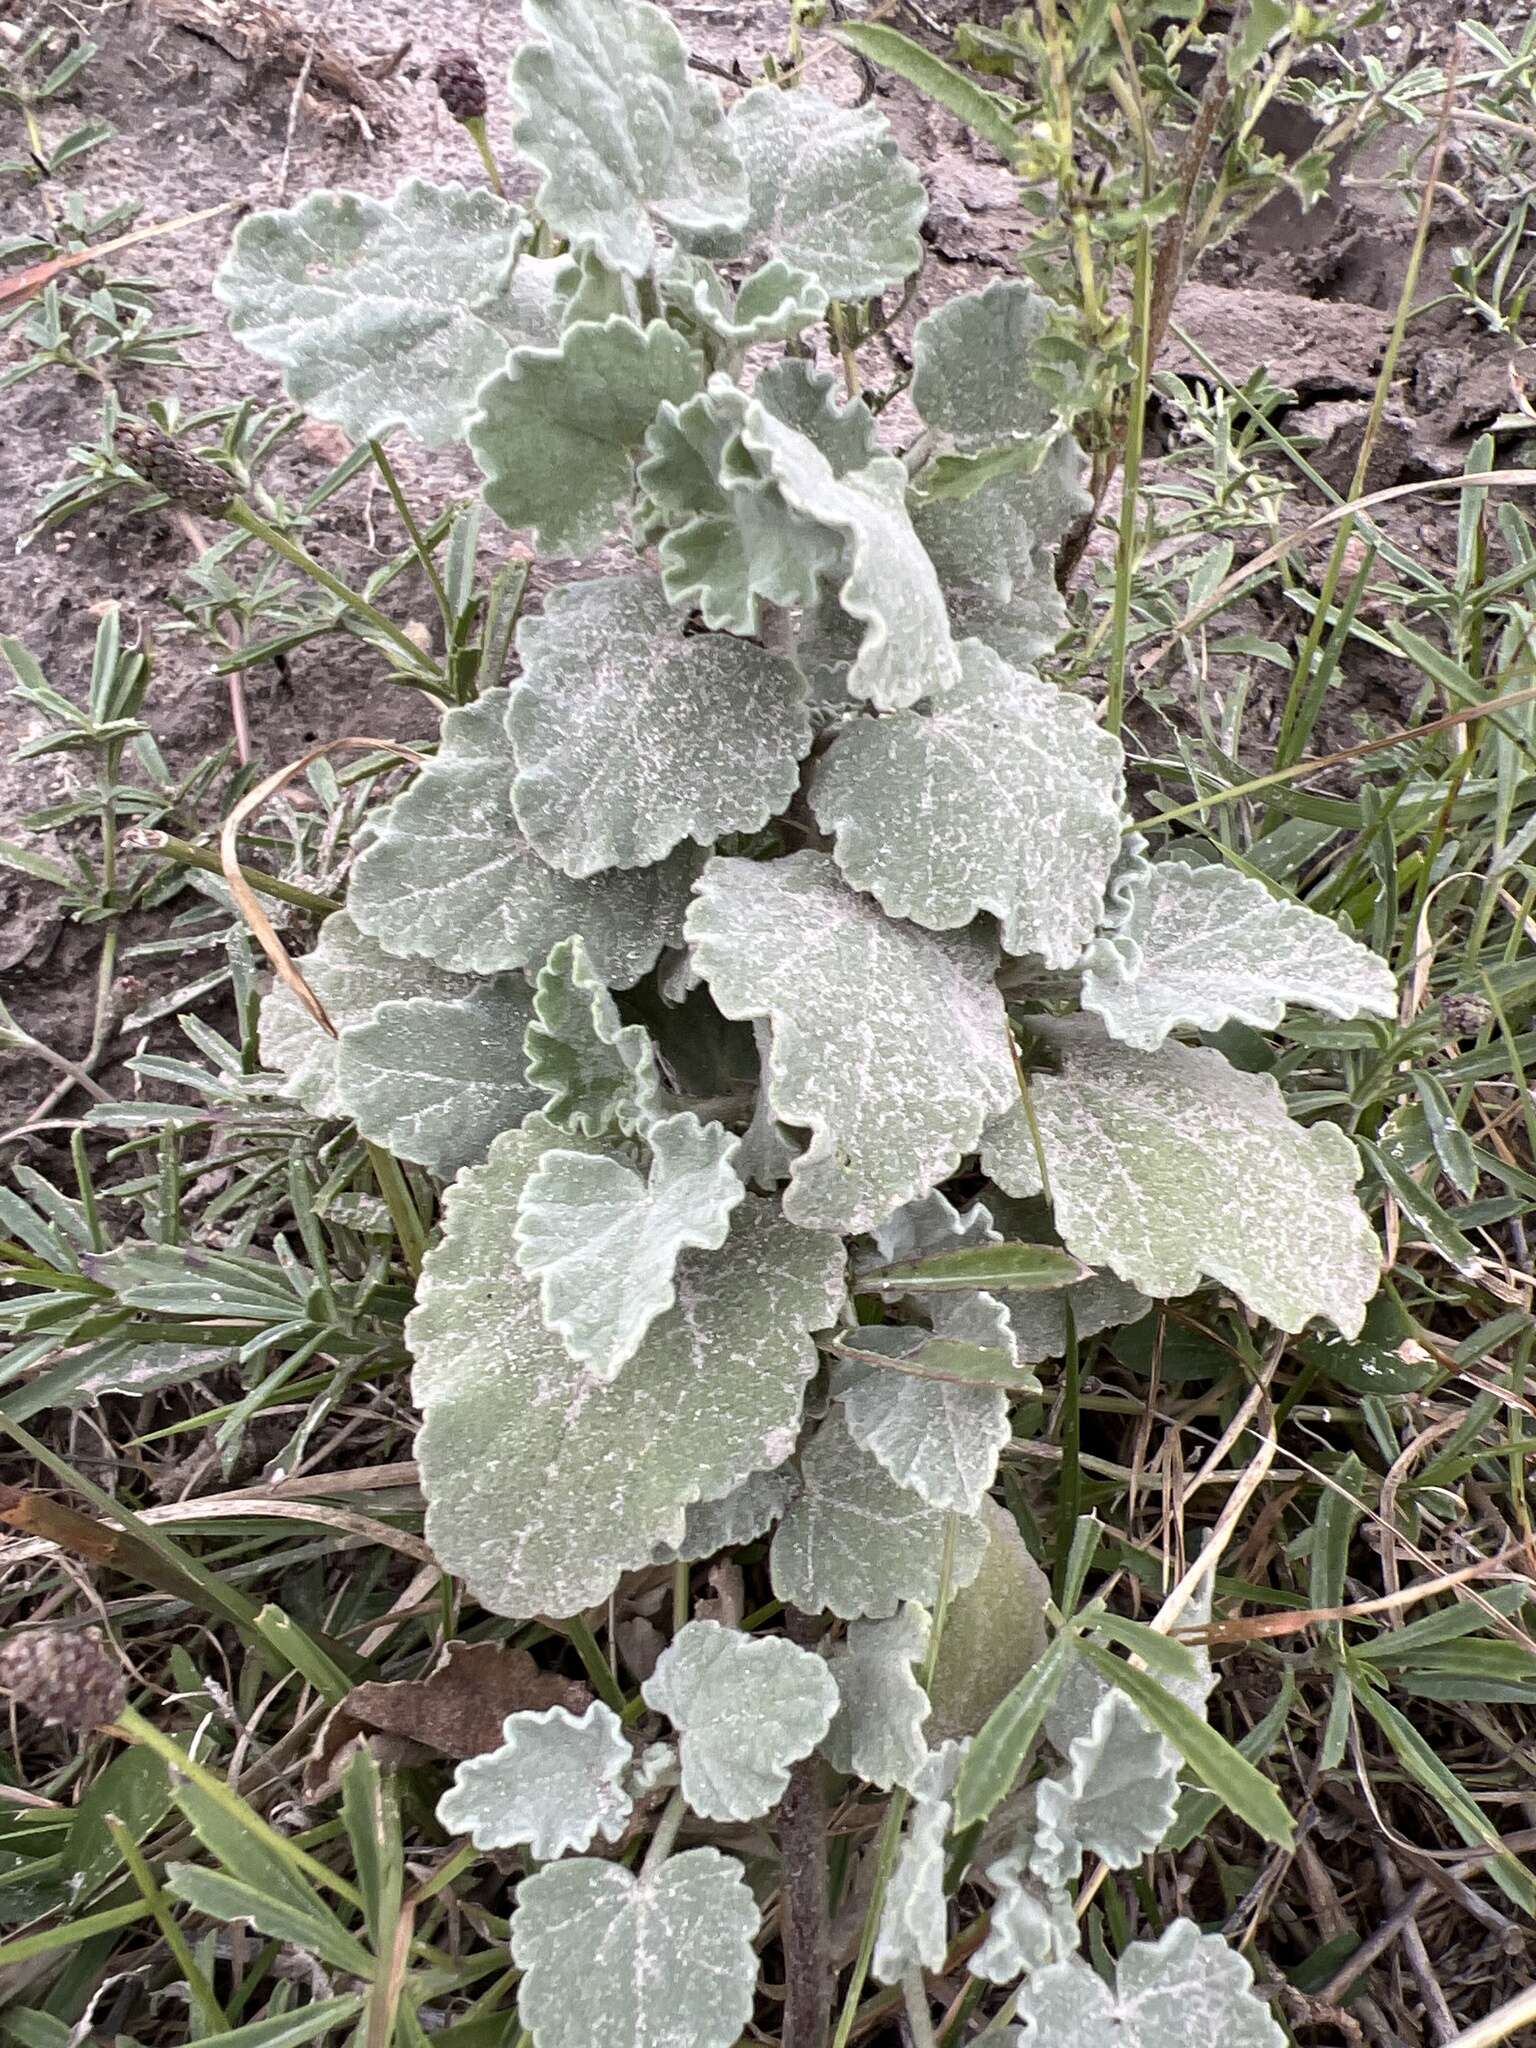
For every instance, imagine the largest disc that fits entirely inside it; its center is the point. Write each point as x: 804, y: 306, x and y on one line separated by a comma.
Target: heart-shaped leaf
x: 388, y: 312
x: 436, y: 1081
x: 558, y: 428
x: 448, y: 875
x: 1031, y: 1924
x: 604, y: 1243
x: 1184, y: 1989
x: 664, y: 1958
x: 631, y: 737
x: 877, y: 1734
x: 598, y: 1072
x: 625, y: 134
x: 857, y: 1543
x: 555, y: 1783
x: 1020, y: 792
x: 542, y: 1484
x: 746, y: 1708
x: 832, y: 194
x: 746, y: 1511
x: 1200, y: 947
x: 891, y: 1111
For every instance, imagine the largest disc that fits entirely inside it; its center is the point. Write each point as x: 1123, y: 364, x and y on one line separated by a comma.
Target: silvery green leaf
x: 596, y: 1070
x: 999, y: 543
x: 1039, y: 1321
x: 732, y: 542
x: 1187, y: 1990
x: 877, y: 1734
x: 653, y: 1770
x: 1020, y: 631
x: 449, y: 876
x: 857, y: 1543
x: 972, y: 375
x: 631, y: 737
x: 813, y: 402
x: 665, y: 1958
x: 1201, y: 947
x: 555, y: 1783
x: 604, y: 1243
x: 557, y: 429
x: 887, y: 582
x: 1172, y: 1166
x: 775, y: 303
x: 931, y: 1223
x: 940, y: 1439
x: 1116, y: 1798
x: 352, y: 976
x: 586, y: 289
x: 388, y: 312
x: 1031, y: 1925
x: 994, y: 1633
x: 1019, y: 792
x: 768, y: 1150
x: 746, y: 1708
x: 832, y: 193
x: 436, y: 1081
x: 746, y: 1511
x: 543, y: 1485
x: 914, y: 1918
x: 625, y: 134
x: 892, y: 1111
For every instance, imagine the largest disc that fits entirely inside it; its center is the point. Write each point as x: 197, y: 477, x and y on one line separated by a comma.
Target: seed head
x: 200, y: 486
x: 460, y: 85
x: 65, y: 1676
x: 1465, y: 1016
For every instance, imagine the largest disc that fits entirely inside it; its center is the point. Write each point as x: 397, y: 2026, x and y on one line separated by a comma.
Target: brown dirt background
x: 208, y: 112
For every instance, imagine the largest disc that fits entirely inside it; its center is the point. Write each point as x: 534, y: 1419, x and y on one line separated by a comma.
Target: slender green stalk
x: 211, y: 2015
x: 186, y: 855
x: 424, y: 672
x: 660, y: 1847
x: 424, y: 554
x: 595, y: 1664
x: 914, y: 1996
x: 482, y: 142
x: 401, y: 1204
x: 1130, y: 486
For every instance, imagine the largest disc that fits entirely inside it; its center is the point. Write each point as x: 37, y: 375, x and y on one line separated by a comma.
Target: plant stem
x: 210, y: 2013
x: 666, y: 1834
x: 1130, y: 485
x: 803, y: 1923
x: 386, y: 470
x: 482, y: 142
x: 186, y: 855
x: 401, y: 1204
x: 914, y: 1993
x: 424, y: 672
x: 594, y: 1663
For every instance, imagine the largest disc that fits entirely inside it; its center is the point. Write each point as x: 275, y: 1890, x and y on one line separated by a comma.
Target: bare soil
x: 209, y: 106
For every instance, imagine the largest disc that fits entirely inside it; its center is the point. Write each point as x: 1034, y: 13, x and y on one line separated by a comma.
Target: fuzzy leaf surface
x: 997, y: 546
x: 555, y: 1783
x: 994, y: 1633
x: 877, y: 1733
x: 1019, y: 794
x: 388, y: 312
x: 448, y: 874
x: 544, y: 1485
x: 746, y: 1511
x: 1172, y: 1166
x: 558, y: 428
x: 603, y: 1243
x: 596, y: 1070
x: 631, y: 737
x: 831, y: 193
x: 914, y: 1918
x: 625, y: 134
x: 1032, y: 1925
x: 1200, y: 947
x: 938, y: 1437
x: 893, y: 1110
x: 1187, y: 1990
x: 857, y: 1543
x: 775, y: 303
x: 436, y: 1081
x: 971, y: 371
x: 887, y: 583
x: 746, y: 1708
x: 352, y: 975
x: 665, y: 1959
x: 1116, y: 1798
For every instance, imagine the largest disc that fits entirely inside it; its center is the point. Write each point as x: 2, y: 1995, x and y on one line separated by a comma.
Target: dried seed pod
x: 200, y: 486
x: 460, y: 85
x: 1465, y: 1016
x: 65, y: 1676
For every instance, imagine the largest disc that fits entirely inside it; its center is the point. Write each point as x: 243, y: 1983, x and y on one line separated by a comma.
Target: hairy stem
x: 803, y: 1920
